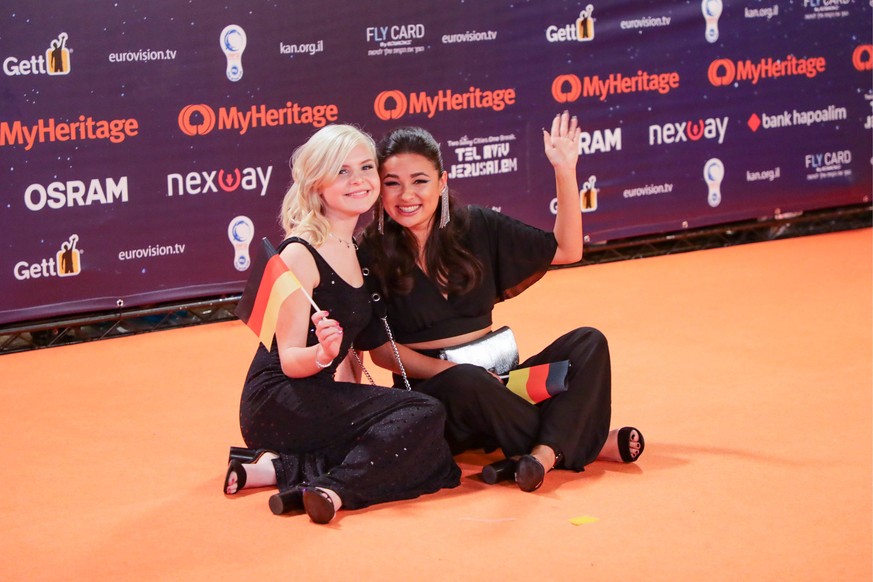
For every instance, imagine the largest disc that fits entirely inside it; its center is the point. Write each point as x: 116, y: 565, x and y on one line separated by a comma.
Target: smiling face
x: 411, y: 187
x: 356, y: 187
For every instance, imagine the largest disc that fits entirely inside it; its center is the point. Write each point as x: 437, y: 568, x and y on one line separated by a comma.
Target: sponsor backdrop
x: 144, y: 145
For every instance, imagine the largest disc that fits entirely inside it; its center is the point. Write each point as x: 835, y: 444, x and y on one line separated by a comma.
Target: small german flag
x: 539, y: 382
x: 270, y: 283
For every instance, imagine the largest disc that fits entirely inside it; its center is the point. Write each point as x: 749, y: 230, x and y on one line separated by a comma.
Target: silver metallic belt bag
x: 496, y: 351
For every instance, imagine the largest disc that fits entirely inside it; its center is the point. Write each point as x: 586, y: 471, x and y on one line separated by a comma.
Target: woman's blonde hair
x: 314, y: 165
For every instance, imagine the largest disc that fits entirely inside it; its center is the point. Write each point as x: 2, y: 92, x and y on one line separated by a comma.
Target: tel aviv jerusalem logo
x: 711, y: 12
x: 233, y: 43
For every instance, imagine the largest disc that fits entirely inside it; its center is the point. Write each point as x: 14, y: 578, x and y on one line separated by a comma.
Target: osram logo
x: 600, y: 141
x: 862, y: 57
x: 724, y: 72
x: 394, y: 104
x: 71, y: 193
x: 569, y: 88
x: 669, y: 133
x: 201, y: 119
x: 55, y: 61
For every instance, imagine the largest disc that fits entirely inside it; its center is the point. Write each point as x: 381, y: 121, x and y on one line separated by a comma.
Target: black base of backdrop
x: 104, y: 325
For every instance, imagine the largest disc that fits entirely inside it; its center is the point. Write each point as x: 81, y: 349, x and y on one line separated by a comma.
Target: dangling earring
x: 380, y: 220
x: 444, y: 201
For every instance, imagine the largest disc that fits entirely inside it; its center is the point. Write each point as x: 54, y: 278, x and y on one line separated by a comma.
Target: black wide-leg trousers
x: 483, y: 413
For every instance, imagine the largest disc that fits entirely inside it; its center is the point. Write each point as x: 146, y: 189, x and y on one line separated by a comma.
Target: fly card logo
x: 399, y: 39
x: 66, y: 262
x: 825, y: 9
x: 580, y: 31
x: 54, y: 61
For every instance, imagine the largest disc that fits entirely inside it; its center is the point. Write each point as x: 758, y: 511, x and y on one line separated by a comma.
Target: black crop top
x: 514, y: 256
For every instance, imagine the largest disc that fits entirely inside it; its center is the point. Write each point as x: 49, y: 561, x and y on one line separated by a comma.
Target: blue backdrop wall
x: 145, y: 144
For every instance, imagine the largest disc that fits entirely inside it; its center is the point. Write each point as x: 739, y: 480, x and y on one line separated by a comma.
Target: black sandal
x: 498, y: 471
x: 625, y: 439
x: 529, y: 473
x: 236, y: 467
x: 318, y: 505
x: 286, y: 501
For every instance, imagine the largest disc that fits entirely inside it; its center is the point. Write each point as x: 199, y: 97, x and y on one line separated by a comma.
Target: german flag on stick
x: 270, y: 283
x: 539, y: 382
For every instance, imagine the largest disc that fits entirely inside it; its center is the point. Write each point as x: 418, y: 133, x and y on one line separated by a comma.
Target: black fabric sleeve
x: 520, y: 254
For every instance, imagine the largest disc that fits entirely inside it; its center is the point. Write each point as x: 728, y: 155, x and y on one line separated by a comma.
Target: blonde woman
x: 327, y: 443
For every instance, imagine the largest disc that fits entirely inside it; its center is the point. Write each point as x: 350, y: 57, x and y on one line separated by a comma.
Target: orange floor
x: 748, y: 369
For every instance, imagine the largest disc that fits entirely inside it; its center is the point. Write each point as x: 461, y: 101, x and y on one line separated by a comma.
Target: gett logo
x: 197, y: 119
x: 384, y: 111
x: 67, y: 262
x: 55, y: 61
x: 862, y: 58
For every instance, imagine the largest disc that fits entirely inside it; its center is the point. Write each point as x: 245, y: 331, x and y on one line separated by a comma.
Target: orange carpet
x: 748, y: 369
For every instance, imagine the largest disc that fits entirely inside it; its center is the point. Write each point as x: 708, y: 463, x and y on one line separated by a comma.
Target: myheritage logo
x: 55, y: 61
x: 394, y: 104
x: 568, y: 88
x: 723, y: 72
x: 862, y: 57
x: 201, y: 119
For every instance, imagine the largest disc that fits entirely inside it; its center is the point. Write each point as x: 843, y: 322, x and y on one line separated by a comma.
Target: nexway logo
x: 247, y: 179
x: 669, y: 133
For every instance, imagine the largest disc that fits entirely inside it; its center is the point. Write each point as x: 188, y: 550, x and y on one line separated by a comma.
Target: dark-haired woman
x: 442, y: 269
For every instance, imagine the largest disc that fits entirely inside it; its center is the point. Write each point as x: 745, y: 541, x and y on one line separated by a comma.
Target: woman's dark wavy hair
x: 453, y: 268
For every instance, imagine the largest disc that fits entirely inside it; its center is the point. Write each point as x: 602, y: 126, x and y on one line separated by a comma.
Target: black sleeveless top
x: 350, y: 306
